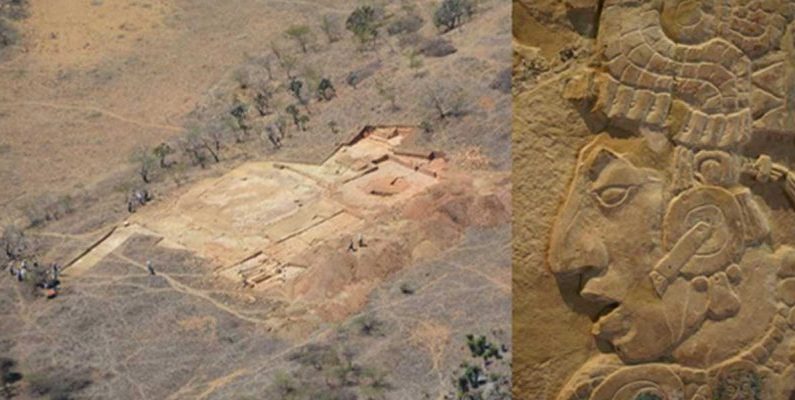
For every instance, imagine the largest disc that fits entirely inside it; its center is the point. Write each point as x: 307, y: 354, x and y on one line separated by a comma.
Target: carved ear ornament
x: 711, y: 219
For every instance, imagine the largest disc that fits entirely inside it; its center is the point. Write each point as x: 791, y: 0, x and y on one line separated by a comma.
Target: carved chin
x: 636, y: 338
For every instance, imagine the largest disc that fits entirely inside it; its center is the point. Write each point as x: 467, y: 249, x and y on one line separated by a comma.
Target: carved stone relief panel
x: 665, y: 236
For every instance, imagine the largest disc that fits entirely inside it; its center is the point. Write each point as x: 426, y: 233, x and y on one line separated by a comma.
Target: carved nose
x: 575, y: 251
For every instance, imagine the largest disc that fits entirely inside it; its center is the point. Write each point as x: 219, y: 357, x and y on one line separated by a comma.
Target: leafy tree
x: 335, y: 129
x: 451, y: 14
x: 326, y: 90
x: 295, y: 88
x: 162, y: 151
x: 262, y: 101
x: 198, y: 146
x: 364, y: 22
x: 293, y: 111
x: 238, y: 123
x: 301, y: 34
x: 302, y: 121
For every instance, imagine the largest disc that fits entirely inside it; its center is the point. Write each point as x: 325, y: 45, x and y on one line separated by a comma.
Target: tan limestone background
x: 550, y: 340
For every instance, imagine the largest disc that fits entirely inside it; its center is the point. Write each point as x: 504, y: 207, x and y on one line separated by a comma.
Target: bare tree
x: 387, y: 91
x: 14, y: 243
x: 331, y: 27
x: 198, y: 145
x: 145, y: 162
x: 446, y: 100
x: 286, y: 61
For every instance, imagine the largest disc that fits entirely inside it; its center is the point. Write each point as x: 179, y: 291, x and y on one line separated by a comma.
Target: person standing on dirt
x: 55, y: 270
x: 22, y: 272
x: 273, y: 137
x: 150, y: 267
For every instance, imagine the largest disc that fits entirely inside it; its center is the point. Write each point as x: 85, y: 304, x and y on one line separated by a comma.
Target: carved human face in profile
x: 608, y: 237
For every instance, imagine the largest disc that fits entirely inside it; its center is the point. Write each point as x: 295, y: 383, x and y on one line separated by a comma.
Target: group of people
x: 137, y: 199
x: 46, y: 278
x: 357, y: 244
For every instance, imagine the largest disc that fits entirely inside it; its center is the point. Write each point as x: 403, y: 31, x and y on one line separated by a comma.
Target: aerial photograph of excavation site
x: 255, y: 199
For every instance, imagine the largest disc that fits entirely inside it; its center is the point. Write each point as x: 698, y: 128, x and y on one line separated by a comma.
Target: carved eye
x: 613, y: 196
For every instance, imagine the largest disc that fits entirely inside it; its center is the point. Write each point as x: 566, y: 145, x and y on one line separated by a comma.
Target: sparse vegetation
x: 57, y: 385
x: 452, y: 13
x: 486, y: 376
x: 326, y: 372
x: 48, y: 207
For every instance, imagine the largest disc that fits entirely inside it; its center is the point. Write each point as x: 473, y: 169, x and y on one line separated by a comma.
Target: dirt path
x: 107, y: 113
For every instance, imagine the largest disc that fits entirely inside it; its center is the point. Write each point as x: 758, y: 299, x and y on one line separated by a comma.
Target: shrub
x: 502, y: 82
x: 437, y: 47
x: 8, y: 35
x: 9, y: 377
x: 408, y: 23
x: 368, y: 325
x: 357, y: 76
